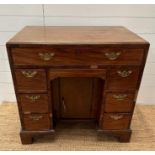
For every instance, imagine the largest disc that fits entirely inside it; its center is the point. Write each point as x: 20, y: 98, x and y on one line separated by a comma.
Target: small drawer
x: 31, y: 80
x: 123, y: 78
x: 45, y: 56
x: 33, y: 103
x: 37, y: 122
x: 116, y: 121
x: 119, y: 102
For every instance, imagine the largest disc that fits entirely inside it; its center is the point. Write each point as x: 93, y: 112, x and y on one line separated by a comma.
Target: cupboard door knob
x: 29, y: 74
x: 112, y: 55
x: 33, y: 98
x: 116, y: 117
x: 36, y: 118
x: 46, y: 56
x: 124, y: 73
x: 120, y: 97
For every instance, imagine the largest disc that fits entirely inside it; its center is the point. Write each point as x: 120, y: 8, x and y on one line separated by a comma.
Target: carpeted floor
x: 143, y: 137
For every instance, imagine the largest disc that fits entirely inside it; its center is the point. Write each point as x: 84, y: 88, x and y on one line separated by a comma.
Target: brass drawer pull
x: 33, y: 98
x: 120, y: 97
x: 46, y: 56
x: 116, y: 117
x: 29, y: 74
x: 36, y: 118
x: 124, y: 73
x: 112, y: 55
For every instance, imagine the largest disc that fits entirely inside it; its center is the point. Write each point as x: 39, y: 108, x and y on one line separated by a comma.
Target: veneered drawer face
x: 37, y: 122
x: 116, y: 121
x: 110, y: 56
x: 34, y: 103
x: 119, y: 102
x: 74, y: 55
x: 123, y: 79
x: 43, y: 56
x: 30, y: 80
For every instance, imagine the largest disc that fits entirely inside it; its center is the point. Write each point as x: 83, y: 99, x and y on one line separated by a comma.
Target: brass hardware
x: 124, y: 73
x: 63, y: 103
x: 50, y: 115
x: 116, y: 117
x: 112, y: 55
x: 93, y: 66
x: 33, y: 98
x: 120, y: 96
x: 29, y: 74
x: 27, y: 112
x: 46, y: 56
x: 36, y: 118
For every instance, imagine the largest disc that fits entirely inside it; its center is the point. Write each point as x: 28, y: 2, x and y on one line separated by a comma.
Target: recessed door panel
x: 76, y: 97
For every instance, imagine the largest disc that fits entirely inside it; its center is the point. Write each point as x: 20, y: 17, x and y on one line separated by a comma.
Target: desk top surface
x: 76, y: 35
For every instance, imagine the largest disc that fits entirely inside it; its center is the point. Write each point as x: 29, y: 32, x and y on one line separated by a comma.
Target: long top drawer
x: 74, y: 55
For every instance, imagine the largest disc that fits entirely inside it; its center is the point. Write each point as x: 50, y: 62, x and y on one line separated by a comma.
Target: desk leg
x: 125, y: 137
x: 121, y: 135
x: 26, y: 138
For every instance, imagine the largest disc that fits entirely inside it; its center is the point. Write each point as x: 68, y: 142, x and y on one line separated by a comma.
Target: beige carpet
x: 143, y: 137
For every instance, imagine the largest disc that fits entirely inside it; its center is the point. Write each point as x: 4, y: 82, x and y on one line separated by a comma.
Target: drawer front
x: 33, y: 103
x: 123, y: 79
x: 110, y: 56
x: 115, y: 121
x: 119, y: 102
x: 73, y: 55
x: 31, y: 80
x: 37, y: 122
x: 44, y: 56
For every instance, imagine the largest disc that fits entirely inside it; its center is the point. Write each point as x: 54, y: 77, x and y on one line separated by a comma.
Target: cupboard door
x: 76, y: 97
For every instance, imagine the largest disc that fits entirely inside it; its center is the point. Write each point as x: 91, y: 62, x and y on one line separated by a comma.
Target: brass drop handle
x: 116, y: 117
x: 46, y: 56
x: 29, y: 74
x: 33, y: 98
x: 36, y: 118
x: 120, y: 97
x: 124, y: 73
x: 112, y: 55
x: 63, y: 104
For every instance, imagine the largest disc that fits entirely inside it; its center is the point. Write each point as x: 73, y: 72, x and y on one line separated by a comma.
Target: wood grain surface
x: 76, y: 35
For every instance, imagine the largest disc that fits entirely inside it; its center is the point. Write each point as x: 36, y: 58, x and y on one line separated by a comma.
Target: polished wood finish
x: 55, y: 73
x: 76, y: 35
x: 35, y: 82
x: 34, y: 103
x: 81, y: 90
x: 73, y: 55
x: 76, y: 73
x: 36, y: 122
x: 115, y: 121
x: 119, y: 102
x: 83, y: 97
x: 123, y: 82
